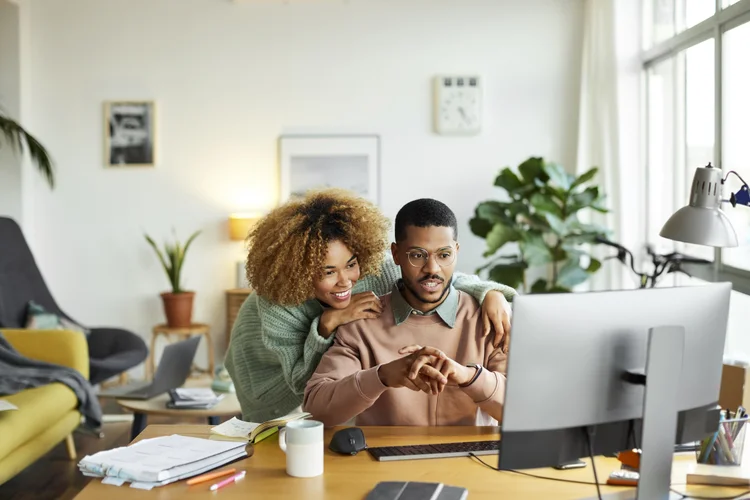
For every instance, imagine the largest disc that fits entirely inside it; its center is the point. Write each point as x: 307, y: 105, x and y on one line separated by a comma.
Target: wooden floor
x: 54, y: 476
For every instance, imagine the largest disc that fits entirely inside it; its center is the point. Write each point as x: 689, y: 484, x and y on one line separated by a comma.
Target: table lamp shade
x: 240, y: 225
x: 702, y: 222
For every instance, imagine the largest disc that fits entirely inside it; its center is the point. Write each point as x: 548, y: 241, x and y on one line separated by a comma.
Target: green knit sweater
x: 275, y: 349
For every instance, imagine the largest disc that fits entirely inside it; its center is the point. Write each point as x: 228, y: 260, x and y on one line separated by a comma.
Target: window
x: 683, y: 70
x: 735, y: 138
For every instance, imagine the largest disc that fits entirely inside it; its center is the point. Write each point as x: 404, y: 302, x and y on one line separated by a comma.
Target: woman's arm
x: 478, y: 289
x: 291, y: 333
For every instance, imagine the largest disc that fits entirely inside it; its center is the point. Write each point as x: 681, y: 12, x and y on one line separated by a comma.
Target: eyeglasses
x: 418, y: 257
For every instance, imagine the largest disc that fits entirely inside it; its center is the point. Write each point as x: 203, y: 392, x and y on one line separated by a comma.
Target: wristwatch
x: 476, y: 375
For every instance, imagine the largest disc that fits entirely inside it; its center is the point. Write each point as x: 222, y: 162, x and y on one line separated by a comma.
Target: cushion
x: 38, y: 409
x: 38, y: 318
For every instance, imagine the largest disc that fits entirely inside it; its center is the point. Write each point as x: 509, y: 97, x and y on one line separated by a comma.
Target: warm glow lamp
x: 702, y: 222
x: 239, y: 227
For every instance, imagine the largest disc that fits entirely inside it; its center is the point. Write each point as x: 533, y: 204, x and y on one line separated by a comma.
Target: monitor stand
x: 662, y: 377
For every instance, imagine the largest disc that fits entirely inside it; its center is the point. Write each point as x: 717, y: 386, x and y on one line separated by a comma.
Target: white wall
x: 229, y: 78
x: 10, y: 103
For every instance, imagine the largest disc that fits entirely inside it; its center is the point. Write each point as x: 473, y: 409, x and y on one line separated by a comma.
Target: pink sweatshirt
x: 346, y: 382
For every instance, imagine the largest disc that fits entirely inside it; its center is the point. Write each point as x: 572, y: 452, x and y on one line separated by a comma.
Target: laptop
x: 174, y: 368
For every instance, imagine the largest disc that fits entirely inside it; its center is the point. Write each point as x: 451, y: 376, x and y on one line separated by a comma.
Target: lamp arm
x: 742, y: 196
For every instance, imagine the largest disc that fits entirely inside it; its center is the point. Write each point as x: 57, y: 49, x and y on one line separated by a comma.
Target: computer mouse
x: 349, y: 441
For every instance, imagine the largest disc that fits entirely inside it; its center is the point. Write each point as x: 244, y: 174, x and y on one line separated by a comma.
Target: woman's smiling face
x: 339, y: 274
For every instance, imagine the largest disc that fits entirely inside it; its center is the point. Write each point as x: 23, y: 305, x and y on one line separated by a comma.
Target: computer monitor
x: 573, y: 367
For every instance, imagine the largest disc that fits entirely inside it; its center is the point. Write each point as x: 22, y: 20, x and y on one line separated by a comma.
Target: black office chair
x: 111, y: 350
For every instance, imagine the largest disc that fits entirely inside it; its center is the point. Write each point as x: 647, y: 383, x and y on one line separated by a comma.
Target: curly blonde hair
x: 288, y: 247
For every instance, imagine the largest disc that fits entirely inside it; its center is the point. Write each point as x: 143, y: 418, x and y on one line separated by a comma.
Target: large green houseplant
x: 15, y: 135
x: 541, y: 216
x: 178, y: 303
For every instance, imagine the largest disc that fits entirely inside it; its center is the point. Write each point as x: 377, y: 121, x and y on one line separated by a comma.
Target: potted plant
x: 178, y: 304
x: 541, y: 217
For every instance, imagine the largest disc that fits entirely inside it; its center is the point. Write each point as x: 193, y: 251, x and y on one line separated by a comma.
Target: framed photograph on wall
x: 129, y: 133
x: 318, y: 161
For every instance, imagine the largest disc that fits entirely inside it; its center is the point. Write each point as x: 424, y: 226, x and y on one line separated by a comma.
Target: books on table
x: 193, y: 398
x: 159, y: 461
x: 252, y: 431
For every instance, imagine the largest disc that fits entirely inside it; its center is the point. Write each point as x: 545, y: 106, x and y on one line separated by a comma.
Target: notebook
x: 252, y: 431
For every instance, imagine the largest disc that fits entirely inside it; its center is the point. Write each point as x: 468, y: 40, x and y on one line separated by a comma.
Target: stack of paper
x: 251, y: 431
x: 193, y: 398
x: 159, y: 461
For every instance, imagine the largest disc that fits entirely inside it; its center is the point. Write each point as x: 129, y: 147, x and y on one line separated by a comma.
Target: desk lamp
x: 703, y: 222
x: 239, y: 228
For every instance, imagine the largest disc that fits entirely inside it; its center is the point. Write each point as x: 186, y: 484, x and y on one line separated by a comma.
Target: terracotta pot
x: 178, y: 307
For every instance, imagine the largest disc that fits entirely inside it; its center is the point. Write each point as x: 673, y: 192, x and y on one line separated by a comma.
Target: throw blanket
x: 17, y: 372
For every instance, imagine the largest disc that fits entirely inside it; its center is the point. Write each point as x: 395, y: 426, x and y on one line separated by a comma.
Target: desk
x: 347, y: 477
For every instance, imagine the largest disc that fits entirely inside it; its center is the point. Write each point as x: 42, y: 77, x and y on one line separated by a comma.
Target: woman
x: 315, y: 264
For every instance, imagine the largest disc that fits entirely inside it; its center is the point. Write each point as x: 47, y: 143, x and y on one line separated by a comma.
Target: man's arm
x: 488, y: 389
x: 340, y: 389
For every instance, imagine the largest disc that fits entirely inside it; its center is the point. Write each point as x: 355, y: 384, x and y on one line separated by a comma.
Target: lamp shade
x: 702, y: 222
x: 241, y: 224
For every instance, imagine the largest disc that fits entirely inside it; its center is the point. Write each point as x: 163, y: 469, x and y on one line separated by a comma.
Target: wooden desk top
x: 348, y: 477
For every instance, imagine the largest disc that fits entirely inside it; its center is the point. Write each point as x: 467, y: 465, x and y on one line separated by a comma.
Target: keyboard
x: 442, y: 450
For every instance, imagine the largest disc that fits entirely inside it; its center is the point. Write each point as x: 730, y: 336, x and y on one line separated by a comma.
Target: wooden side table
x: 235, y: 299
x: 183, y: 333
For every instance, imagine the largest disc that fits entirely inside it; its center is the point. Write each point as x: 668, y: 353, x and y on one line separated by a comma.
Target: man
x: 457, y: 373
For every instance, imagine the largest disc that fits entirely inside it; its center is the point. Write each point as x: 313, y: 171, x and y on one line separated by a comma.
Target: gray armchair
x: 111, y: 350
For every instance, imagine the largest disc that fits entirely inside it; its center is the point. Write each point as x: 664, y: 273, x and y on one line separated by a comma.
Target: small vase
x: 178, y: 307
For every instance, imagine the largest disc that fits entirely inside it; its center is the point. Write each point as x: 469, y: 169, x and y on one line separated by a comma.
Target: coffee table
x: 227, y: 407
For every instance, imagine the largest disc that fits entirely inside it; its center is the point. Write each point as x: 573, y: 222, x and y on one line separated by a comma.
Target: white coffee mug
x: 302, y: 441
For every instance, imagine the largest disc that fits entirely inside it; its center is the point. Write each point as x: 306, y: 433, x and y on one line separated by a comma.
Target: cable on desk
x: 691, y: 497
x: 531, y: 475
x: 590, y: 430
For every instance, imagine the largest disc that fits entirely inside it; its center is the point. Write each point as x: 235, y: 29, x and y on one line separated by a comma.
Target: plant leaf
x: 499, y: 236
x: 160, y: 255
x: 508, y: 180
x: 584, y: 199
x: 535, y: 251
x: 558, y: 176
x: 584, y: 177
x: 543, y: 203
x: 480, y: 226
x: 531, y: 169
x: 556, y: 224
x: 493, y: 211
x: 571, y: 274
x: 594, y: 266
x: 508, y: 274
x: 539, y: 286
x: 16, y: 135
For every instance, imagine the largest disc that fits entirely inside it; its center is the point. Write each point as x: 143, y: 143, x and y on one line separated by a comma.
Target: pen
x: 227, y: 481
x: 207, y: 477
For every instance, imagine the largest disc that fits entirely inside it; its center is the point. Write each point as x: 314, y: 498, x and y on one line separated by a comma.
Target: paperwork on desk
x: 159, y: 461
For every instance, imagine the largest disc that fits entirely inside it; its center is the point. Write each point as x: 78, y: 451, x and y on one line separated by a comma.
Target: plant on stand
x: 541, y: 216
x: 178, y: 304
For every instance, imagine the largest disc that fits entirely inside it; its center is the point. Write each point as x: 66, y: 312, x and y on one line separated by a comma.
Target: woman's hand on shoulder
x: 362, y: 305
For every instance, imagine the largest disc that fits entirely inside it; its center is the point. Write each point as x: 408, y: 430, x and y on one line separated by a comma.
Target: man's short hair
x: 425, y: 212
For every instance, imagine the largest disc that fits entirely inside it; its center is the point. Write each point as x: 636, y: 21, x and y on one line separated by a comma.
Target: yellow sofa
x: 47, y: 414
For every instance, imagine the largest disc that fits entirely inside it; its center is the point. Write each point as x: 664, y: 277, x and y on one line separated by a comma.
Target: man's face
x: 427, y: 257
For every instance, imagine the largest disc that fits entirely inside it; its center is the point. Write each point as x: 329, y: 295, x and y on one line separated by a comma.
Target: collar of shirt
x: 401, y: 308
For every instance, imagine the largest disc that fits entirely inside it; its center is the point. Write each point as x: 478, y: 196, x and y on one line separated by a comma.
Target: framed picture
x: 345, y: 161
x: 129, y: 133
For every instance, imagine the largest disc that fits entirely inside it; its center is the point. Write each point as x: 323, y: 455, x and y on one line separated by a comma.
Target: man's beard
x: 417, y: 294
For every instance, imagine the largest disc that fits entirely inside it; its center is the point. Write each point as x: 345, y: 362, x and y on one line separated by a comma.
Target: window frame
x: 714, y: 27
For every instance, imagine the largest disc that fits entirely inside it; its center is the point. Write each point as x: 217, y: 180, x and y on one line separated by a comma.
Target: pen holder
x: 725, y: 446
